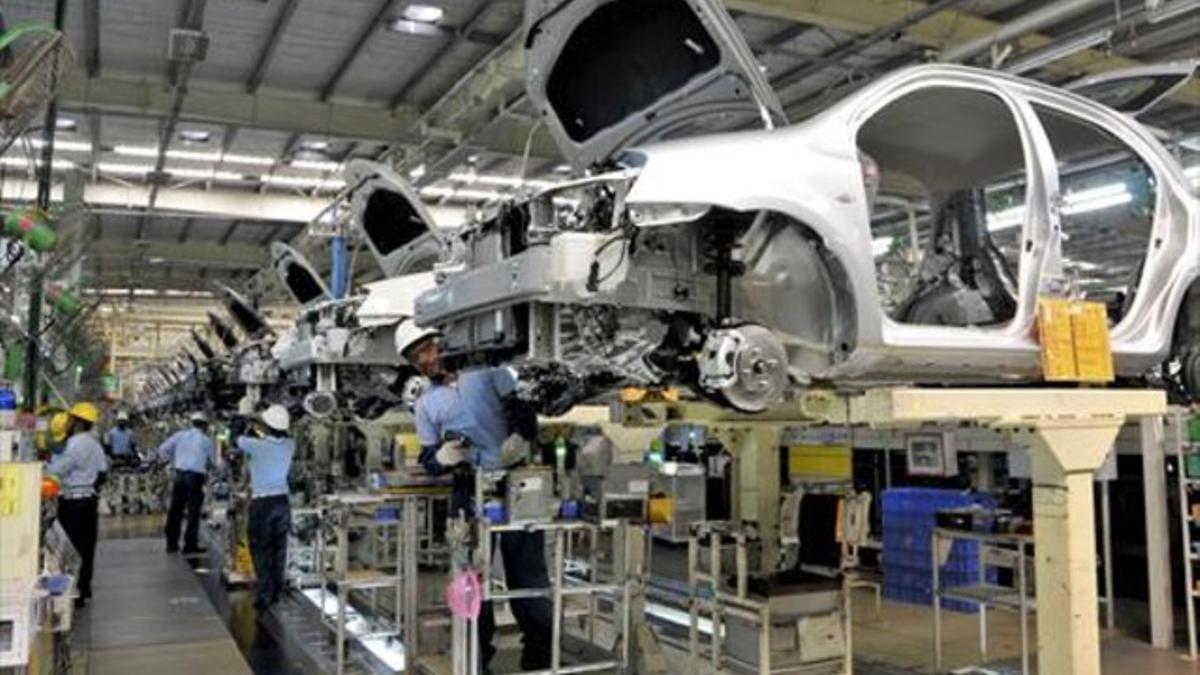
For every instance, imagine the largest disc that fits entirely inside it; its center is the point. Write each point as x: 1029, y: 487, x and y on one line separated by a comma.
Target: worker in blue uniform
x: 191, y: 452
x: 269, y: 461
x: 474, y: 418
x: 121, y: 443
x: 81, y: 469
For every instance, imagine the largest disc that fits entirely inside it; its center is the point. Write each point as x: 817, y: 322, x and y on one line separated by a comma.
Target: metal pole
x: 45, y: 178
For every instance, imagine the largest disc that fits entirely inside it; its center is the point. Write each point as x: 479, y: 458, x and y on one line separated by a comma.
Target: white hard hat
x: 408, y: 334
x: 198, y: 416
x: 122, y: 416
x: 277, y: 417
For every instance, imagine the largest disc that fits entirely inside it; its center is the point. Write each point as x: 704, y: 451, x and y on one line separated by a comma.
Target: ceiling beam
x: 435, y: 57
x: 194, y: 254
x: 280, y: 113
x: 282, y: 19
x: 941, y: 31
x: 185, y: 230
x: 356, y: 46
x: 271, y: 234
x: 233, y: 226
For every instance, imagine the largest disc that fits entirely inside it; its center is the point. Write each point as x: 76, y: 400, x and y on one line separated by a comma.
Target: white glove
x: 514, y: 451
x: 452, y: 453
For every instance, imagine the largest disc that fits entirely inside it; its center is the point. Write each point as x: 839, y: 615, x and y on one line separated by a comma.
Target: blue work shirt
x: 78, y: 465
x: 270, y: 459
x: 189, y: 450
x: 120, y: 440
x: 472, y: 407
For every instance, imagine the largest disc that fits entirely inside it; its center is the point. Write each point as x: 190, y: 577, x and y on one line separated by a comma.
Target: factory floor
x: 151, y: 612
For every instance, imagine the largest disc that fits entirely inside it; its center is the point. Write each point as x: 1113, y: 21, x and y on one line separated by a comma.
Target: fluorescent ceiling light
x: 256, y: 160
x: 192, y: 155
x: 1006, y: 219
x: 1095, y: 193
x: 562, y: 168
x: 124, y: 169
x: 22, y: 162
x: 65, y: 146
x: 205, y: 174
x: 314, y: 165
x: 1171, y: 10
x: 302, y: 182
x: 881, y: 245
x: 417, y: 172
x: 315, y: 146
x: 1058, y: 51
x: 65, y: 124
x: 505, y: 181
x: 424, y: 13
x: 1097, y: 204
x: 462, y: 194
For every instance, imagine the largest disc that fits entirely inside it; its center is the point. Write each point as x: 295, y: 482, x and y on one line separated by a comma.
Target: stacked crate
x: 909, y: 517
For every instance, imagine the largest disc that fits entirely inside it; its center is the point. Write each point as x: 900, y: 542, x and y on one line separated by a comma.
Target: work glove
x: 514, y: 451
x: 452, y: 453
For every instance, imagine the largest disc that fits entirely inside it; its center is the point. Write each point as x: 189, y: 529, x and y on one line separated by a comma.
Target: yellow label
x: 10, y: 490
x: 820, y: 461
x: 1093, y: 351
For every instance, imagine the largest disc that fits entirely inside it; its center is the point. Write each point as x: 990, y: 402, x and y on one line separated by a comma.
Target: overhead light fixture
x: 415, y: 28
x: 315, y: 146
x: 881, y: 245
x: 192, y: 155
x: 424, y: 13
x: 66, y: 124
x: 195, y: 135
x: 302, y: 182
x: 64, y: 146
x: 256, y: 160
x: 124, y: 169
x: 417, y: 172
x: 1058, y: 51
x: 505, y: 181
x: 1171, y: 10
x: 21, y: 162
x: 314, y: 165
x: 206, y: 174
x: 562, y: 168
x: 465, y: 194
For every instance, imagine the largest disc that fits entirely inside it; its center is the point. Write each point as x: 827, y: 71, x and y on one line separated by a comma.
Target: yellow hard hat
x: 58, y: 426
x: 88, y: 412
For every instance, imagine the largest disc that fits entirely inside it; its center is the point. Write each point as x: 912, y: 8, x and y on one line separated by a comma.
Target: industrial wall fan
x: 34, y: 61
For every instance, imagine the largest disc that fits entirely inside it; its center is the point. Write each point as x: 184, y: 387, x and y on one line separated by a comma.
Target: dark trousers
x: 186, y: 495
x: 270, y: 520
x: 80, y: 519
x: 524, y: 567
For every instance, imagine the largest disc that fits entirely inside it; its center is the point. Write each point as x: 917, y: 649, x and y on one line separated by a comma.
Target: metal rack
x: 993, y: 549
x: 362, y: 512
x: 558, y: 591
x: 1183, y: 449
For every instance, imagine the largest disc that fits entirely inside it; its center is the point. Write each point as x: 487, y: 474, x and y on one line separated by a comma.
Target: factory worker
x: 269, y: 460
x: 472, y: 417
x: 81, y: 469
x: 120, y: 442
x: 191, y: 452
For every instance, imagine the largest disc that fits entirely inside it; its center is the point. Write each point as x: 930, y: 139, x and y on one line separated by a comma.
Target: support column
x: 1066, y: 454
x: 755, y: 449
x: 1158, y: 539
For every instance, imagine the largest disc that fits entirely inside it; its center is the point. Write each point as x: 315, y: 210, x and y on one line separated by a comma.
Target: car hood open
x: 297, y: 275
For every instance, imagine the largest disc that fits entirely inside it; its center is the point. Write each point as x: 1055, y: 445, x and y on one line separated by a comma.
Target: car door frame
x: 905, y: 345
